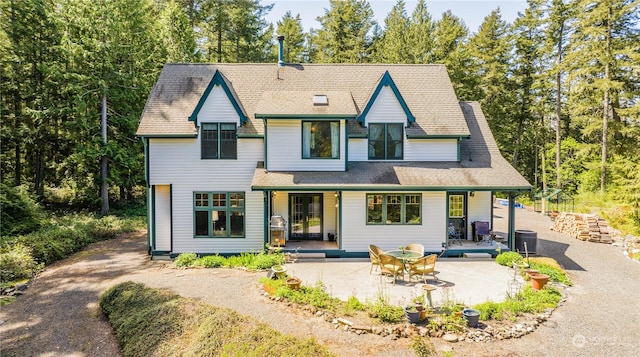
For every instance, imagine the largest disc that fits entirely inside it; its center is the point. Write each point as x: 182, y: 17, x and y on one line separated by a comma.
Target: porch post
x: 266, y: 195
x: 512, y: 221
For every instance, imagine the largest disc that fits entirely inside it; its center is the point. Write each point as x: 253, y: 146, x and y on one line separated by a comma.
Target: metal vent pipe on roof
x: 280, y: 51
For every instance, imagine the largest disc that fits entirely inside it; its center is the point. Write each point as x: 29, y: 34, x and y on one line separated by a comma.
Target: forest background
x: 560, y: 85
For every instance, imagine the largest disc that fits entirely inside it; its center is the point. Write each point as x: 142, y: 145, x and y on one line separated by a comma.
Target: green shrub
x: 423, y: 347
x: 263, y: 261
x: 150, y: 322
x: 385, y: 312
x: 508, y: 258
x: 211, y: 261
x: 354, y: 304
x: 19, y: 212
x: 17, y: 263
x: 186, y: 260
x: 314, y: 296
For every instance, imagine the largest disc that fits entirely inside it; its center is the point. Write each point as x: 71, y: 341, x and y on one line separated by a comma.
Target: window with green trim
x: 320, y: 139
x: 394, y: 208
x: 218, y: 214
x: 218, y: 141
x: 385, y: 141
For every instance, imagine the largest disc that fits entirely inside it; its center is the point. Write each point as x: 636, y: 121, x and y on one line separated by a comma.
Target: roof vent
x: 320, y: 99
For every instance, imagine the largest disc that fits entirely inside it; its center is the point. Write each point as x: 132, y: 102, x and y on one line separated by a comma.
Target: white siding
x: 479, y: 208
x: 177, y: 162
x: 357, y: 235
x: 218, y: 108
x: 431, y: 150
x: 386, y: 108
x: 162, y: 218
x: 358, y: 149
x: 284, y: 148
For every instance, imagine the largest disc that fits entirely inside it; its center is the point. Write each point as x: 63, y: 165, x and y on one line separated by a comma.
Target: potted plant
x: 293, y: 283
x: 471, y: 316
x: 413, y: 315
x: 279, y: 270
x: 538, y: 281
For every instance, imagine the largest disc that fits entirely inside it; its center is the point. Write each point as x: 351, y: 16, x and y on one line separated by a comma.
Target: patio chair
x: 454, y: 234
x: 482, y: 231
x: 374, y: 252
x: 423, y: 266
x: 416, y: 247
x: 390, y: 265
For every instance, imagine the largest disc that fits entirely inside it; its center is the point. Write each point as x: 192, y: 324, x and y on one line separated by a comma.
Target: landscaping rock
x: 449, y: 337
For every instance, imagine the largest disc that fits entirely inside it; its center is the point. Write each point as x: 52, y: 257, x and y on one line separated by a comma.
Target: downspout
x: 512, y: 221
x: 265, y: 195
x: 145, y: 143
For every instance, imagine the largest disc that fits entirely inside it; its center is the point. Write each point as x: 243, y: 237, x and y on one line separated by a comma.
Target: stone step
x: 477, y: 255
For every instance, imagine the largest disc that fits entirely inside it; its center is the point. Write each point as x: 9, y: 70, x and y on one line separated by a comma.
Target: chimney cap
x: 280, y: 37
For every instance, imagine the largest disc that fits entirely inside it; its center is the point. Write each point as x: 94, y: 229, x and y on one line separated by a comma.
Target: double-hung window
x: 218, y: 141
x: 219, y: 214
x: 385, y: 141
x: 320, y: 139
x: 394, y: 209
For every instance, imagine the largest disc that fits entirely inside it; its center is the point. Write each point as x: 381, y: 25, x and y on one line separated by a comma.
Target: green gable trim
x: 387, y: 81
x: 218, y: 80
x: 305, y: 116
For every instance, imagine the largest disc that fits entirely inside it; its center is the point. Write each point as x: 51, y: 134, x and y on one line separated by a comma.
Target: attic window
x: 320, y: 99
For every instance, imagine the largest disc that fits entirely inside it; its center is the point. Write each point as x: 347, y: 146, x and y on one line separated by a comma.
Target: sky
x: 472, y: 12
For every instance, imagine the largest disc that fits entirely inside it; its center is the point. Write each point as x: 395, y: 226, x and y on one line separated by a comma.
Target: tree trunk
x: 104, y: 188
x: 558, y: 107
x: 605, y: 112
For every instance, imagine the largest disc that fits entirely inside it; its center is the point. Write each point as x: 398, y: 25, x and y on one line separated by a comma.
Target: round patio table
x: 405, y: 255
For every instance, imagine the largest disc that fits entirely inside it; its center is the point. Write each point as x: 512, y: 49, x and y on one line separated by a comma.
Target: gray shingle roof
x: 289, y: 103
x: 481, y: 167
x: 426, y: 89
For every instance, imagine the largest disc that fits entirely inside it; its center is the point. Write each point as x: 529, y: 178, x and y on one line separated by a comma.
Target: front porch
x: 331, y: 250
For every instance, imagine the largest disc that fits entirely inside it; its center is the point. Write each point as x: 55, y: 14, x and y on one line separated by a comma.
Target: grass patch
x: 526, y: 301
x: 156, y: 322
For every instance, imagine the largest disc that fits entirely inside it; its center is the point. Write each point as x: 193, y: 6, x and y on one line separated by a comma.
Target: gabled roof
x: 386, y: 81
x: 219, y: 80
x: 481, y: 167
x: 425, y: 89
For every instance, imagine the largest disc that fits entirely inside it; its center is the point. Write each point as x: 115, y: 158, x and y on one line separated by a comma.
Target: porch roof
x: 396, y: 176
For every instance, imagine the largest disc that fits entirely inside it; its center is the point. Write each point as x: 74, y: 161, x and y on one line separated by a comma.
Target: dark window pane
x: 374, y: 208
x: 236, y: 199
x: 237, y: 223
x: 219, y: 219
x: 320, y: 140
x: 394, y: 208
x: 202, y: 199
x: 202, y: 223
x: 394, y: 141
x: 376, y: 141
x: 209, y: 141
x: 412, y: 209
x: 228, y: 141
x: 219, y: 200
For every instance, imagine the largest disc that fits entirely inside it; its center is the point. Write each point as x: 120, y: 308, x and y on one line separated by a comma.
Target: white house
x: 366, y: 153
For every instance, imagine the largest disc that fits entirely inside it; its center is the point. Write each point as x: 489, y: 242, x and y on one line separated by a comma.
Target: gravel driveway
x: 59, y: 316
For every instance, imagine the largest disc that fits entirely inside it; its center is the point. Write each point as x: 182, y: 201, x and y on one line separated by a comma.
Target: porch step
x: 310, y: 255
x: 477, y: 255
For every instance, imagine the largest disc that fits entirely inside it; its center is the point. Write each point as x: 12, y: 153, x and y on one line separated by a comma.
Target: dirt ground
x: 58, y: 315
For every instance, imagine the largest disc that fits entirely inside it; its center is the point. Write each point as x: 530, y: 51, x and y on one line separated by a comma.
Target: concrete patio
x: 465, y: 281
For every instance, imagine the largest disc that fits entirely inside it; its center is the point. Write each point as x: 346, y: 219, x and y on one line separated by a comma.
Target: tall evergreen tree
x: 177, y: 34
x: 394, y: 45
x: 603, y: 57
x: 345, y: 33
x: 450, y: 48
x: 490, y: 47
x: 291, y: 28
x: 420, y: 34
